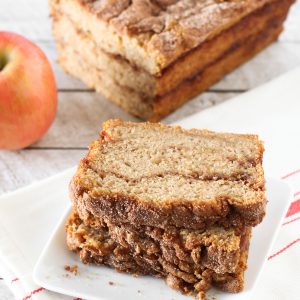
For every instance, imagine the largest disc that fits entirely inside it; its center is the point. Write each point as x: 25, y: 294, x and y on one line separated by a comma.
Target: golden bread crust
x: 171, y: 28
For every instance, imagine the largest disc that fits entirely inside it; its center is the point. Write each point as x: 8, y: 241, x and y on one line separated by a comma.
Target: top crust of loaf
x: 133, y: 187
x: 153, y: 34
x: 112, y: 124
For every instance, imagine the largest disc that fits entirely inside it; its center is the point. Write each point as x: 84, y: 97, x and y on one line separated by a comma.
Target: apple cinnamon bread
x: 157, y: 175
x: 150, y: 57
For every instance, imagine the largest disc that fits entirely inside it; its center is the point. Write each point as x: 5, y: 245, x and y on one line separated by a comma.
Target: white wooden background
x: 81, y: 111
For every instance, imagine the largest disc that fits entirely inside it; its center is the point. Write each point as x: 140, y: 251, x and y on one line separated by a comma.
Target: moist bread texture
x: 157, y: 175
x: 151, y: 252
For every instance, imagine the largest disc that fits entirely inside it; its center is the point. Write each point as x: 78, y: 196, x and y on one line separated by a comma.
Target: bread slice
x: 216, y: 248
x: 181, y: 270
x: 157, y: 175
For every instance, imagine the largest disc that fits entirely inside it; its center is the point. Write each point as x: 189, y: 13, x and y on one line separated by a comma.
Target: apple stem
x: 3, y: 61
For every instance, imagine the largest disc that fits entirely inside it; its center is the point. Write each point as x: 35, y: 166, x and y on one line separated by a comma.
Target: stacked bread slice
x: 150, y: 57
x: 159, y: 200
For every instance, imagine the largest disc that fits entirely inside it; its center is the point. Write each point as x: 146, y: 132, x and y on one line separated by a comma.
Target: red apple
x: 28, y: 95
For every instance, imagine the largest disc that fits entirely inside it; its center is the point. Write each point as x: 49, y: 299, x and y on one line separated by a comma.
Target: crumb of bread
x: 72, y: 269
x: 201, y: 296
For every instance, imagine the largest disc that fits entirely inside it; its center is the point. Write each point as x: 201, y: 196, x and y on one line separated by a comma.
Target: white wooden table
x: 81, y: 111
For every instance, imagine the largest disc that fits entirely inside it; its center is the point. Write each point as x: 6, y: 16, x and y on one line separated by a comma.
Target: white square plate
x: 94, y: 282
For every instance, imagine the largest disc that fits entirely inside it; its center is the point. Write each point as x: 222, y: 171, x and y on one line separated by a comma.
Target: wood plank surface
x: 81, y: 114
x: 34, y: 165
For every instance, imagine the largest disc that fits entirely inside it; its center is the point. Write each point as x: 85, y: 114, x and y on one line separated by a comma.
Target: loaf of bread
x: 150, y: 57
